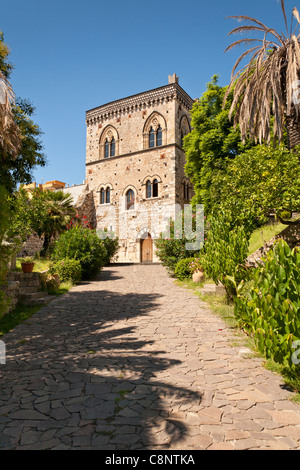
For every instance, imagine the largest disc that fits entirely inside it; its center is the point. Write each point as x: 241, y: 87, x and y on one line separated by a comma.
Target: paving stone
x: 132, y: 361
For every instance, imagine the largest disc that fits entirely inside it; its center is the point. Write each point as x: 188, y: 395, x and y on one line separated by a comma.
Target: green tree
x: 17, y: 158
x: 47, y: 213
x: 260, y: 181
x: 211, y: 143
x: 59, y: 209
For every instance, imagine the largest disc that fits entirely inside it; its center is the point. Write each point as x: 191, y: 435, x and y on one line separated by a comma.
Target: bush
x: 183, y: 269
x: 84, y: 245
x: 225, y: 251
x: 271, y: 308
x: 172, y: 249
x: 111, y: 243
x: 68, y: 270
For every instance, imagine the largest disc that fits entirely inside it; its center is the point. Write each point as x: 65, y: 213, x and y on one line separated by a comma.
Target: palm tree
x: 268, y: 84
x: 60, y: 210
x: 10, y: 136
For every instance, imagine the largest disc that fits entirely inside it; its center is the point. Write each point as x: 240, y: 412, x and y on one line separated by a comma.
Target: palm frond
x: 10, y: 136
x: 266, y: 85
x: 284, y: 15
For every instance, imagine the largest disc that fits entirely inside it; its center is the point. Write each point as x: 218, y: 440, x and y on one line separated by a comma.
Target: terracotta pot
x: 27, y: 267
x: 198, y: 277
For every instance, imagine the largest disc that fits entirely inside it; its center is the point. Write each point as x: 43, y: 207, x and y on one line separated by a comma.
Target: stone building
x: 135, y: 166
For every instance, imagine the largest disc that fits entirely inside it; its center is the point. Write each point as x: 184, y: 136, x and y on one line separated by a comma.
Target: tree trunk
x: 293, y: 131
x: 47, y: 239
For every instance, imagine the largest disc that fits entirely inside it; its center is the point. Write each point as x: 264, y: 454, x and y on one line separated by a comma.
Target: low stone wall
x: 19, y: 284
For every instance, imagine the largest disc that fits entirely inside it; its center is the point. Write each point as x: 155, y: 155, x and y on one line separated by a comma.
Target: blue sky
x: 71, y: 56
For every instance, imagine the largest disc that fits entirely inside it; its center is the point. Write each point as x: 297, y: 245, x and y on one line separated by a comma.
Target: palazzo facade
x: 135, y: 166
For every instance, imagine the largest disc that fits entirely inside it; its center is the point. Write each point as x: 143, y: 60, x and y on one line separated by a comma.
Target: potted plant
x: 196, y: 270
x: 27, y: 264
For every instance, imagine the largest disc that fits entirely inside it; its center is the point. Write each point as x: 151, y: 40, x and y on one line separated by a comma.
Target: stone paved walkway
x: 131, y: 361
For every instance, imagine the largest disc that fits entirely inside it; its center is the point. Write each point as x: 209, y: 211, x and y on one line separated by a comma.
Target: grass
x: 64, y: 287
x: 40, y: 264
x: 22, y: 313
x: 18, y: 315
x: 263, y: 234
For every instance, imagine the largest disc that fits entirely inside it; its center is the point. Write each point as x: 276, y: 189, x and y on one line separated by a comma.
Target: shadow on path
x: 80, y: 374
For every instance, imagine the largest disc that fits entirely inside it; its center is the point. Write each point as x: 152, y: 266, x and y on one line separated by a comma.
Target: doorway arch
x: 146, y: 248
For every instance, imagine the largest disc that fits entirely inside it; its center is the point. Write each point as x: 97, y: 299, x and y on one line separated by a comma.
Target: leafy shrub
x: 225, y: 251
x: 271, y: 310
x: 68, y: 270
x: 183, y: 269
x: 84, y: 245
x: 173, y: 248
x: 111, y: 243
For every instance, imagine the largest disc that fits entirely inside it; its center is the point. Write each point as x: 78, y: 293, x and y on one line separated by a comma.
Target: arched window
x: 151, y: 138
x: 107, y: 197
x: 155, y: 188
x: 148, y: 189
x: 112, y: 147
x: 102, y: 196
x: 181, y: 138
x: 106, y: 149
x: 159, y: 137
x: 186, y: 191
x: 130, y: 199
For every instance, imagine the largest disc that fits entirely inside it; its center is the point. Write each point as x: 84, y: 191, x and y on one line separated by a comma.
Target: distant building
x: 49, y: 185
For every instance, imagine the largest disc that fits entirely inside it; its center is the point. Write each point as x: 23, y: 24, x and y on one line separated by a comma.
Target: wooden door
x: 147, y: 250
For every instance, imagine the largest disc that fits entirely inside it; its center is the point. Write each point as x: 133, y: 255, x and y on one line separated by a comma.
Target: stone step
x: 31, y: 297
x: 28, y: 290
x: 211, y: 289
x: 43, y: 300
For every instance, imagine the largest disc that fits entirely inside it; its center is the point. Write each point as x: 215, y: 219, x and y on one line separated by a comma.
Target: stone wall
x: 291, y: 235
x: 31, y: 246
x: 18, y: 285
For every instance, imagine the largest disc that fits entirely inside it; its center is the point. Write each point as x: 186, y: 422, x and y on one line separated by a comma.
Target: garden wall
x: 291, y: 235
x: 18, y: 285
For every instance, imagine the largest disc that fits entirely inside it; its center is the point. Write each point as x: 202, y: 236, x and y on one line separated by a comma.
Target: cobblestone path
x: 132, y: 361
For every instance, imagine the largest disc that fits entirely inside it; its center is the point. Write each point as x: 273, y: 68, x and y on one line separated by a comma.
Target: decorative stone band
x: 139, y: 102
x: 131, y: 154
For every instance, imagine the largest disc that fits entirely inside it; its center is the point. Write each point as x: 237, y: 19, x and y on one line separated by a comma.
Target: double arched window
x: 151, y: 189
x: 109, y: 142
x: 155, y: 137
x: 186, y: 190
x: 109, y: 148
x: 155, y: 131
x: 105, y: 195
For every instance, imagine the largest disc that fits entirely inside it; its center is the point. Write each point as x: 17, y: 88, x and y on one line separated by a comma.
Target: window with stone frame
x: 107, y: 195
x: 102, y: 196
x: 148, y: 189
x: 108, y: 144
x: 130, y: 199
x: 155, y: 137
x: 155, y: 188
x: 155, y: 131
x: 185, y: 129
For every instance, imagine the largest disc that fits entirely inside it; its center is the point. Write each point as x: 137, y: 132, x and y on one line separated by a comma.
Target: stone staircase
x: 29, y: 286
